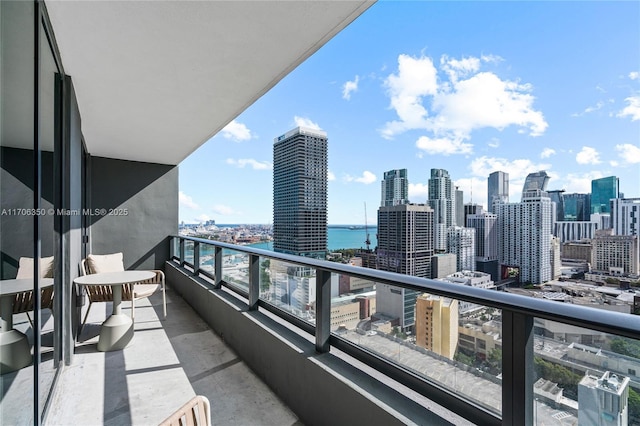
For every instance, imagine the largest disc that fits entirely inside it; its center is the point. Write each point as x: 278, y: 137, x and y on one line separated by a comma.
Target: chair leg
x: 133, y: 307
x: 164, y: 301
x: 87, y: 314
x: 30, y: 320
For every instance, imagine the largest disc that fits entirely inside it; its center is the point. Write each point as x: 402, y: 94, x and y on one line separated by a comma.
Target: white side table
x: 117, y: 330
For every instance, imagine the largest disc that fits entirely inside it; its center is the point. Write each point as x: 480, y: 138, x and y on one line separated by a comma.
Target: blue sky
x: 471, y: 87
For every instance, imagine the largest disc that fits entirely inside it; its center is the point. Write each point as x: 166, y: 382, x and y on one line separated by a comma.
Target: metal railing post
x: 254, y: 281
x: 218, y: 267
x: 182, y: 260
x: 517, y: 368
x: 196, y: 257
x: 323, y: 310
x: 172, y: 247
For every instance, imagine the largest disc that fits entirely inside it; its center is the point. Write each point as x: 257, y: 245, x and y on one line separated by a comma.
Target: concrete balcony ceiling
x: 156, y: 79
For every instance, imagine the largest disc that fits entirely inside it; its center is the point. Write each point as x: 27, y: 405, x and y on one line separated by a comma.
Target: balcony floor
x: 168, y: 362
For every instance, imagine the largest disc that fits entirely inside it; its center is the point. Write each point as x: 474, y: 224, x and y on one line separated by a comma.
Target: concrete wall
x: 321, y: 389
x: 144, y: 200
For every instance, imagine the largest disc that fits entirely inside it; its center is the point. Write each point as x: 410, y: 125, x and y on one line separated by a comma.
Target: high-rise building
x: 405, y: 246
x: 536, y: 181
x: 437, y: 324
x: 603, y: 401
x: 615, y: 254
x: 462, y: 242
x: 557, y: 198
x: 574, y: 231
x: 459, y: 209
x: 395, y: 188
x: 443, y: 264
x: 486, y: 236
x: 469, y: 209
x: 625, y: 216
x: 556, y: 263
x: 524, y: 236
x: 497, y: 189
x: 441, y: 200
x: 300, y: 193
x: 577, y: 207
x: 603, y: 190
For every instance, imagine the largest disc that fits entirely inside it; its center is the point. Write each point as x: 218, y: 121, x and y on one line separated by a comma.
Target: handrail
x: 576, y: 315
x: 518, y: 313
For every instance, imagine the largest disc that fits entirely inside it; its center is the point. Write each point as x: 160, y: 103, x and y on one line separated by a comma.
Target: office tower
x: 625, y: 215
x: 524, y: 236
x: 486, y: 237
x: 615, y: 254
x: 471, y: 209
x: 443, y: 264
x: 497, y: 189
x: 470, y: 279
x: 462, y: 242
x: 603, y: 190
x: 603, y: 401
x: 460, y: 221
x: 405, y: 246
x: 557, y: 198
x: 395, y: 188
x: 556, y: 263
x: 300, y: 193
x: 577, y: 207
x: 441, y: 200
x: 437, y: 324
x: 536, y: 181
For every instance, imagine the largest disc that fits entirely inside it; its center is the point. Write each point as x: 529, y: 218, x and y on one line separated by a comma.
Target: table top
x: 114, y: 278
x: 14, y: 286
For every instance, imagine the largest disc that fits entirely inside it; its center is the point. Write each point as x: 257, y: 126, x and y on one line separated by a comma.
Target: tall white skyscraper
x: 524, y: 236
x: 603, y: 401
x: 497, y: 189
x: 441, y: 200
x: 395, y: 188
x: 625, y: 216
x: 300, y: 193
x: 462, y: 242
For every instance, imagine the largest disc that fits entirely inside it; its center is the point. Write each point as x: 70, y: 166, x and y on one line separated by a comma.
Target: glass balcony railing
x: 491, y: 357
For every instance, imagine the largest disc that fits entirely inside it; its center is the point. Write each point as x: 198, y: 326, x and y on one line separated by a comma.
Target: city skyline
x: 417, y: 96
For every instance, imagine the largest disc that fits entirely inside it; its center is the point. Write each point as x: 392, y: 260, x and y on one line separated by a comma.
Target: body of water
x: 340, y: 237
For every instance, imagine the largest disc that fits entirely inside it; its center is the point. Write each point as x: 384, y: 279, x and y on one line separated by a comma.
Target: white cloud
x: 588, y: 110
x: 614, y: 163
x: 223, y: 210
x: 254, y: 164
x: 466, y: 101
x: 416, y: 77
x: 330, y: 175
x: 305, y: 122
x: 588, y: 155
x: 202, y: 218
x: 579, y: 183
x: 350, y: 86
x: 236, y: 131
x: 418, y: 192
x: 634, y: 75
x: 187, y: 201
x: 475, y: 190
x: 367, y: 178
x: 630, y: 154
x: 444, y: 146
x: 547, y: 152
x: 632, y: 109
x: 494, y: 143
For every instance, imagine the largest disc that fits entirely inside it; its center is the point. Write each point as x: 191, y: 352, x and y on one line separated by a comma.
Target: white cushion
x: 25, y: 267
x: 98, y: 263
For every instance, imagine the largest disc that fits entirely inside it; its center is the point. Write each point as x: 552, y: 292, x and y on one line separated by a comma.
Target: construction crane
x: 366, y: 228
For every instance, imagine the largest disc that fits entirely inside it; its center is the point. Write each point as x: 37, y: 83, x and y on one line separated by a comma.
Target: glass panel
x: 235, y: 269
x: 188, y: 251
x: 584, y: 376
x: 454, y: 343
x: 48, y: 71
x: 207, y: 258
x: 289, y: 287
x: 16, y: 204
